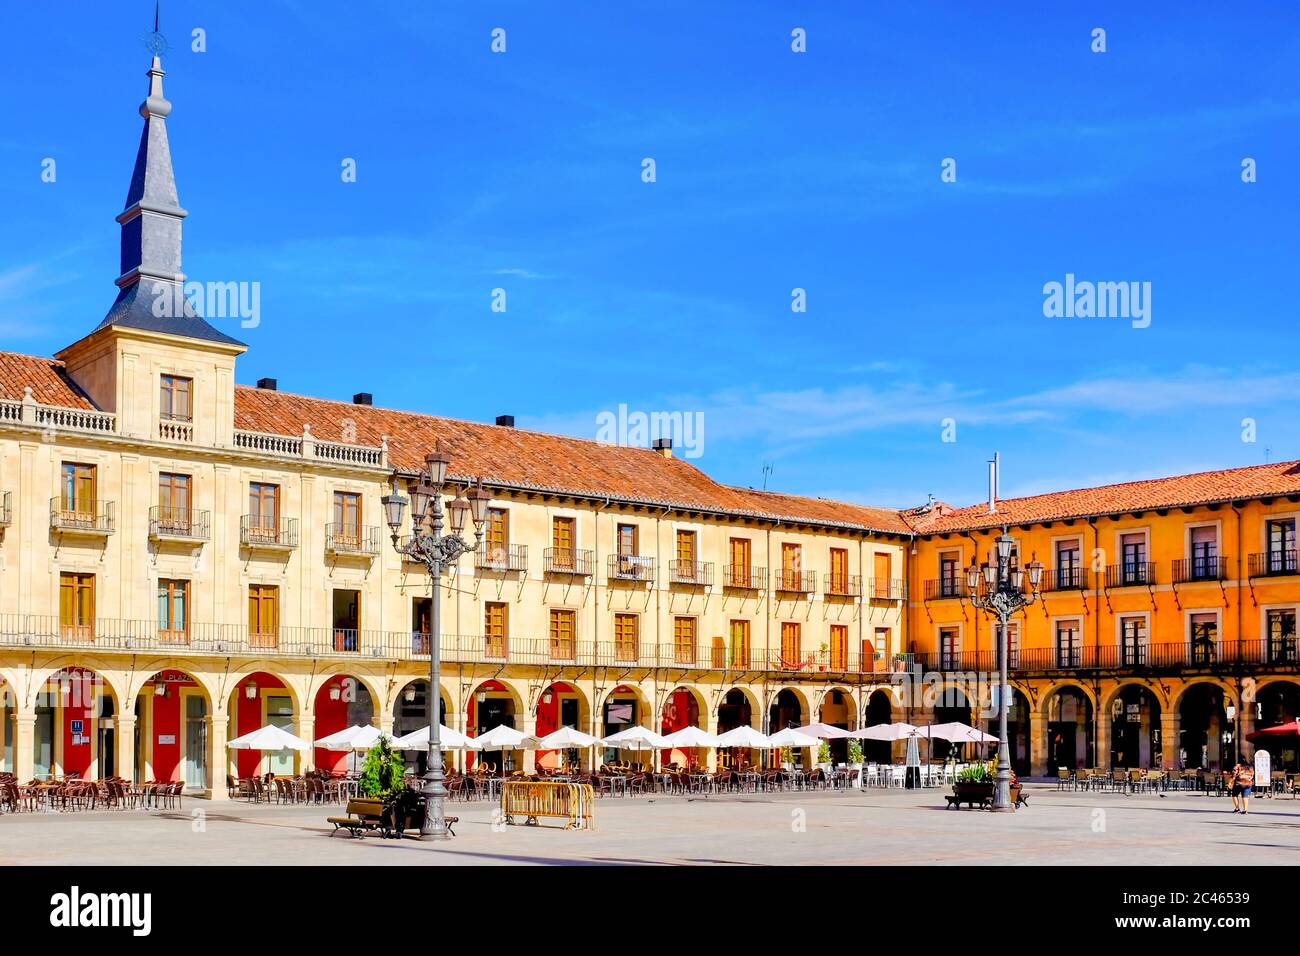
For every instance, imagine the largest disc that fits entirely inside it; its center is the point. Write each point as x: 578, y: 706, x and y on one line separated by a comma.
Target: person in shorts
x: 1243, y: 780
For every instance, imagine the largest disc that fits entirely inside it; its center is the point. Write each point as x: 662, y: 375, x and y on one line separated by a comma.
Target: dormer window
x: 177, y: 398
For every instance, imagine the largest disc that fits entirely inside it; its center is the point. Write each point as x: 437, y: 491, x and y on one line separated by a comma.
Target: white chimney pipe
x: 993, y: 485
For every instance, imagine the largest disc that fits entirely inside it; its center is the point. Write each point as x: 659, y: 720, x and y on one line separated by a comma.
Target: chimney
x: 266, y: 383
x: 993, y: 483
x: 363, y: 398
x: 663, y: 446
x: 506, y: 421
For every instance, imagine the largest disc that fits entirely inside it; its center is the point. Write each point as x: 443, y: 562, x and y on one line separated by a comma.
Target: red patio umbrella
x: 1290, y: 729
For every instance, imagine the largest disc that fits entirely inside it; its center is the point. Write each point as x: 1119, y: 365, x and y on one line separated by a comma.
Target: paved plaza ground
x: 876, y: 827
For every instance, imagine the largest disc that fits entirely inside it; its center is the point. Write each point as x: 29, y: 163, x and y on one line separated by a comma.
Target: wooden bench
x: 362, y: 815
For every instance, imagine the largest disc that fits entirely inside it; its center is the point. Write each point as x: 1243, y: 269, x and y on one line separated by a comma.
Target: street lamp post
x: 435, y: 551
x: 997, y: 588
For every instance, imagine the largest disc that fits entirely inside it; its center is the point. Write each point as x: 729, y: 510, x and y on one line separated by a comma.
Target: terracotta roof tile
x: 1255, y: 481
x: 49, y: 382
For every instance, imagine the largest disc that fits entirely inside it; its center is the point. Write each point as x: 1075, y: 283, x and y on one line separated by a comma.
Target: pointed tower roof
x: 151, y: 281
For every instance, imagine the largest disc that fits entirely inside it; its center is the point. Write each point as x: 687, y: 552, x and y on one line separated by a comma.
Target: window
x: 839, y: 647
x: 1133, y: 641
x: 1281, y: 546
x: 421, y: 624
x: 173, y: 610
x: 1068, y: 571
x: 563, y: 627
x: 739, y: 644
x: 882, y: 570
x: 496, y: 545
x: 791, y: 564
x: 1281, y: 636
x: 495, y: 629
x: 263, y: 511
x: 562, y: 542
x: 685, y: 555
x: 1133, y: 552
x: 791, y: 644
x: 174, y: 503
x: 263, y: 615
x: 881, y: 644
x: 1204, y: 545
x: 948, y: 648
x: 1204, y: 631
x: 949, y: 575
x: 627, y: 539
x: 626, y: 634
x: 1013, y: 645
x: 1069, y: 644
x: 77, y: 494
x: 347, y: 518
x: 77, y: 606
x: 839, y: 571
x: 738, y: 566
x: 176, y: 403
x: 347, y: 619
x: 684, y: 640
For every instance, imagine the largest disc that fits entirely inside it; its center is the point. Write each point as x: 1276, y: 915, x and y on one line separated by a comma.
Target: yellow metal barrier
x: 572, y: 802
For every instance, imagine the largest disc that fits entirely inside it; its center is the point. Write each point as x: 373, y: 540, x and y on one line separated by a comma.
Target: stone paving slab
x: 875, y: 827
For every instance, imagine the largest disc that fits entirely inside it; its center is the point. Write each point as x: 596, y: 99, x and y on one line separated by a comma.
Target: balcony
x: 176, y: 429
x: 510, y: 557
x: 93, y: 518
x: 1177, y: 657
x: 1273, y: 563
x: 795, y: 582
x: 697, y: 573
x: 631, y: 567
x: 843, y: 585
x: 886, y: 589
x: 1201, y: 568
x: 350, y: 540
x: 937, y: 589
x: 568, y: 561
x: 1131, y: 574
x: 261, y: 534
x: 178, y: 524
x: 1072, y: 577
x: 745, y: 578
x: 6, y: 512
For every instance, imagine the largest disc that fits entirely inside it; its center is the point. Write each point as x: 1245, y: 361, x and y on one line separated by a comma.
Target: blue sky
x: 775, y: 170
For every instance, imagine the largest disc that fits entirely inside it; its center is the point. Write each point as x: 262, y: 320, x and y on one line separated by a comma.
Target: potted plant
x: 821, y: 656
x: 382, y: 780
x: 974, y: 783
x: 855, y: 754
x: 787, y: 758
x: 824, y: 756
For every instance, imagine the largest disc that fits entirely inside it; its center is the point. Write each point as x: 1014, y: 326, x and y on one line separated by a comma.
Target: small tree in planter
x: 855, y: 753
x: 824, y: 755
x: 383, y: 778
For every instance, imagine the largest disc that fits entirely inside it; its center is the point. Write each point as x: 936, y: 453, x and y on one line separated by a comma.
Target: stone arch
x: 1108, y: 697
x: 1132, y: 737
x: 172, y: 744
x: 106, y: 671
x: 396, y: 698
x: 1206, y: 737
x: 1044, y: 707
x: 292, y: 683
x: 1229, y: 692
x: 82, y: 697
x: 849, y: 703
x: 371, y: 682
x: 643, y: 716
x: 788, y: 706
x: 750, y: 701
x: 146, y: 672
x: 671, y: 716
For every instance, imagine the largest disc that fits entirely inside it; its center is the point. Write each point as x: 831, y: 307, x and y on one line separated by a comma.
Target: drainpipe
x: 595, y: 619
x: 1096, y: 636
x: 976, y: 548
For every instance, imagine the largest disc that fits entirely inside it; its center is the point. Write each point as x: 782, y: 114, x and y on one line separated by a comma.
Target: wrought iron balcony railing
x: 1131, y: 574
x: 178, y: 524
x: 1132, y: 656
x: 631, y: 567
x: 81, y: 517
x: 568, y: 561
x: 1269, y: 563
x: 1070, y: 577
x: 945, y: 587
x: 886, y: 589
x: 351, y: 539
x: 699, y: 573
x: 745, y: 577
x: 258, y: 532
x: 795, y: 582
x: 1201, y: 568
x: 509, y: 557
x: 843, y: 585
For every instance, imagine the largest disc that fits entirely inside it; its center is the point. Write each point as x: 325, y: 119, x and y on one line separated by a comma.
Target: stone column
x: 218, y: 756
x: 305, y: 727
x: 124, y: 728
x: 1038, y: 744
x: 530, y: 756
x: 1103, y: 742
x: 24, y: 746
x: 710, y: 726
x: 1169, y: 732
x: 1245, y: 726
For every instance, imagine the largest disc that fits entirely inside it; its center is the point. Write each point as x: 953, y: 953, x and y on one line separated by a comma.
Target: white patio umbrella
x: 744, y: 737
x: 449, y: 740
x: 357, y: 737
x: 636, y: 738
x: 502, y: 737
x: 824, y: 732
x: 898, y: 731
x: 566, y: 738
x: 958, y: 733
x: 689, y: 737
x: 269, y: 737
x: 791, y: 738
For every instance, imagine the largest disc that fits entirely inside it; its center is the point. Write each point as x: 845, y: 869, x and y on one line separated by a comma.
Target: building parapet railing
x: 886, y: 589
x: 745, y: 577
x: 843, y: 585
x: 306, y: 447
x: 351, y: 539
x: 30, y: 412
x: 631, y: 567
x: 1131, y: 574
x: 509, y: 557
x: 92, y: 517
x: 179, y: 523
x: 176, y: 429
x: 1200, y: 568
x: 258, y: 532
x: 1116, y: 657
x: 1277, y: 562
x: 568, y: 561
x: 699, y: 573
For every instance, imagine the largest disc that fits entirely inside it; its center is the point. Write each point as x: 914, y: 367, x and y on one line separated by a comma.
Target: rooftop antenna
x: 767, y: 470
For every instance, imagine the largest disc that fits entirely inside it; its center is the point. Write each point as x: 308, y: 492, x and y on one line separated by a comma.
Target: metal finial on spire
x: 155, y: 42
